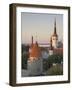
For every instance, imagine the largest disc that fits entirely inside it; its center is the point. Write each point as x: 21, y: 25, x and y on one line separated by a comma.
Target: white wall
x: 4, y: 45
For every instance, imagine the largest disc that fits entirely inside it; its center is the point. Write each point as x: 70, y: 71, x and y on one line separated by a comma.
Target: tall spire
x: 32, y: 40
x: 55, y: 28
x: 36, y: 39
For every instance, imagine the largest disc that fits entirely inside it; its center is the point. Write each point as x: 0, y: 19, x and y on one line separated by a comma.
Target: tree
x: 56, y: 58
x: 24, y: 61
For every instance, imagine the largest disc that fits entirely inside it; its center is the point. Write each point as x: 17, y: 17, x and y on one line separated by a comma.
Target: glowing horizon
x: 40, y: 26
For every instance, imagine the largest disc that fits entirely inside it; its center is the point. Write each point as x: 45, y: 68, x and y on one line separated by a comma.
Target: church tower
x: 54, y: 37
x: 35, y: 62
x: 51, y: 48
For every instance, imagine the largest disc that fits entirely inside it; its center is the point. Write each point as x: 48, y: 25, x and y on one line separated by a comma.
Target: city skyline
x: 40, y: 26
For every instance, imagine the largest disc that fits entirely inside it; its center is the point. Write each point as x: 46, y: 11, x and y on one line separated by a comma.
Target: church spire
x: 55, y: 33
x: 32, y: 40
x: 54, y: 36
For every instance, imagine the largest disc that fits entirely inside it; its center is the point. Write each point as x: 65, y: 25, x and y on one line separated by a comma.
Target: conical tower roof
x: 35, y: 51
x: 55, y: 32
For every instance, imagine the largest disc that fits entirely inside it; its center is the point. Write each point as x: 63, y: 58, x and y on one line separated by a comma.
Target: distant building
x: 44, y: 53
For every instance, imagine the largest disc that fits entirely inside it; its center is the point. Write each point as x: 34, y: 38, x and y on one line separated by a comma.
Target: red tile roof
x: 58, y: 51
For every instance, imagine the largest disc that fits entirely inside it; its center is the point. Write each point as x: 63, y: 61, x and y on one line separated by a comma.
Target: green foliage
x: 55, y: 70
x: 25, y: 55
x: 47, y: 64
x: 24, y: 48
x: 24, y: 61
x: 55, y: 58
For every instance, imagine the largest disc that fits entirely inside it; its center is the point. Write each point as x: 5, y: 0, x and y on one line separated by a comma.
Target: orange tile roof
x: 35, y: 50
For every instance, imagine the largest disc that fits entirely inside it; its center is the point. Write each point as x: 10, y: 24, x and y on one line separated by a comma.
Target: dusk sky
x: 40, y: 26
